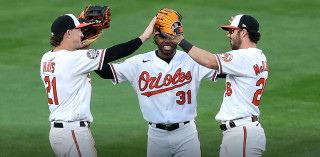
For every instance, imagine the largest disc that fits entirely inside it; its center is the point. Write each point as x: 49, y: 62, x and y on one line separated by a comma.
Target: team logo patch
x: 92, y: 54
x: 227, y: 57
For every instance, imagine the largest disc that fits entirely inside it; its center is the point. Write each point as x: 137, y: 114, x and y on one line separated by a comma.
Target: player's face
x: 166, y: 47
x: 235, y: 39
x: 76, y: 35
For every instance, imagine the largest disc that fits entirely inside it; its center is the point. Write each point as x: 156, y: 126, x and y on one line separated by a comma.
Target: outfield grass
x: 289, y: 107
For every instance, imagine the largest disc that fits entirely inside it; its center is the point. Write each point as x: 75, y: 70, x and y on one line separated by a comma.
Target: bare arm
x: 148, y: 31
x: 203, y: 57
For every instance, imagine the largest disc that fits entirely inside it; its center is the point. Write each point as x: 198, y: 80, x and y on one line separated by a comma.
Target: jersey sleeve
x: 203, y: 72
x: 123, y: 71
x: 85, y: 61
x: 233, y: 63
x: 207, y: 73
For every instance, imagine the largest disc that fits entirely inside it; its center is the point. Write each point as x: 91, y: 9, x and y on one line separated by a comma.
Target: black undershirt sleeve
x: 116, y: 52
x: 222, y: 75
x: 106, y: 72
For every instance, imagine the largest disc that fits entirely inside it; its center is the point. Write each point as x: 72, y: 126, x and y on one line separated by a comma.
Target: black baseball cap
x: 243, y: 22
x: 65, y: 22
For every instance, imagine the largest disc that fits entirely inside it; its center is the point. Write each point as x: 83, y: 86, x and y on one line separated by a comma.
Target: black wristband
x: 185, y: 45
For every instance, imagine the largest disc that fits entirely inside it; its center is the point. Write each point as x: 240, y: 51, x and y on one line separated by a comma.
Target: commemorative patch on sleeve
x: 227, y: 57
x: 92, y: 54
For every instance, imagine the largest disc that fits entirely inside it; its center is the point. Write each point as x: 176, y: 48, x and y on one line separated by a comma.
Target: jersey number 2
x: 255, y: 100
x: 53, y: 84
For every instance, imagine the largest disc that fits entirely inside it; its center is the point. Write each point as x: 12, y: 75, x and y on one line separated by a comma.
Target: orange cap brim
x: 82, y: 25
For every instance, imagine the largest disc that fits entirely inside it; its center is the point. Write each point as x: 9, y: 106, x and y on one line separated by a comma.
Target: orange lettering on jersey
x: 89, y: 76
x: 262, y: 68
x: 146, y: 81
x: 49, y: 67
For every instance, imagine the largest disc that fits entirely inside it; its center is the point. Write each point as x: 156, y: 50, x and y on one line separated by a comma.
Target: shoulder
x: 89, y: 53
x: 143, y: 55
x: 182, y: 55
x: 139, y: 58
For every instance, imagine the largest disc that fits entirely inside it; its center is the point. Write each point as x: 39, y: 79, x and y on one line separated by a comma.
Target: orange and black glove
x: 99, y: 19
x: 168, y: 23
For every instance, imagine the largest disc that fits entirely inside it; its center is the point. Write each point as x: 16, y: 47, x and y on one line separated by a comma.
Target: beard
x: 235, y: 42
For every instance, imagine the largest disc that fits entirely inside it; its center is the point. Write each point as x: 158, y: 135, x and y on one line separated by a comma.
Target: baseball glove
x: 99, y: 19
x: 168, y: 23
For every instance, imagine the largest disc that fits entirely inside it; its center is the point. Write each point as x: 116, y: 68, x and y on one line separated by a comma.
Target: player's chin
x: 168, y: 53
x: 79, y: 45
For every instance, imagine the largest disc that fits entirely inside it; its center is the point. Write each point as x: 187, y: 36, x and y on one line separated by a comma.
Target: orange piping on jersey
x: 219, y: 62
x: 101, y: 59
x: 114, y: 73
x: 214, y: 76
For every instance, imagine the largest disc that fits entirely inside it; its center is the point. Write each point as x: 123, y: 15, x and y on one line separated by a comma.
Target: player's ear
x: 154, y: 40
x: 244, y: 32
x: 67, y: 33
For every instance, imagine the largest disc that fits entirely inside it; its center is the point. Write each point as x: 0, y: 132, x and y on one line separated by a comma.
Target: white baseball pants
x: 182, y: 142
x: 72, y: 140
x: 243, y: 141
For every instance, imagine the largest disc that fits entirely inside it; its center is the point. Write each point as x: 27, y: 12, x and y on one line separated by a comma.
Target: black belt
x: 170, y: 127
x: 60, y: 125
x: 223, y: 127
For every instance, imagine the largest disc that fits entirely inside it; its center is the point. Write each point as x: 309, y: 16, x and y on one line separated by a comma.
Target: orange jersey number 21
x: 53, y: 84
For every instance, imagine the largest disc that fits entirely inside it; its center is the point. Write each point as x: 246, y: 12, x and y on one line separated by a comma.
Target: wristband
x: 185, y: 45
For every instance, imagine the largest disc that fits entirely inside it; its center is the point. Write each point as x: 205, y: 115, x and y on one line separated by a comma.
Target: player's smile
x: 165, y: 46
x: 167, y: 49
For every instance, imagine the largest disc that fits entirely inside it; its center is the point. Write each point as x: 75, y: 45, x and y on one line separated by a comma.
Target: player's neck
x: 164, y: 58
x: 247, y: 44
x: 64, y: 46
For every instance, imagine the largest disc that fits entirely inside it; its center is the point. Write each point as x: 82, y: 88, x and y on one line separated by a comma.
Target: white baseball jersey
x: 66, y: 77
x: 167, y: 92
x: 247, y: 74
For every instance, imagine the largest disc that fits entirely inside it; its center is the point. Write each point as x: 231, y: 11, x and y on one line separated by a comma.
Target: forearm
x: 122, y: 50
x: 201, y: 56
x: 116, y: 52
x: 105, y: 72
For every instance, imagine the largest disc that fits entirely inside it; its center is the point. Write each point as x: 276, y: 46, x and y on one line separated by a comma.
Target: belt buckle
x: 167, y: 127
x: 171, y: 127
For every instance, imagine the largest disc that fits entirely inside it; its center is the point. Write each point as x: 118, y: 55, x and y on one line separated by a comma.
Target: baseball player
x: 246, y: 70
x: 166, y: 81
x: 67, y: 80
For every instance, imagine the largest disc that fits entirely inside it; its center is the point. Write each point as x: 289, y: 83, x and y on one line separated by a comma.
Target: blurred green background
x: 289, y: 107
